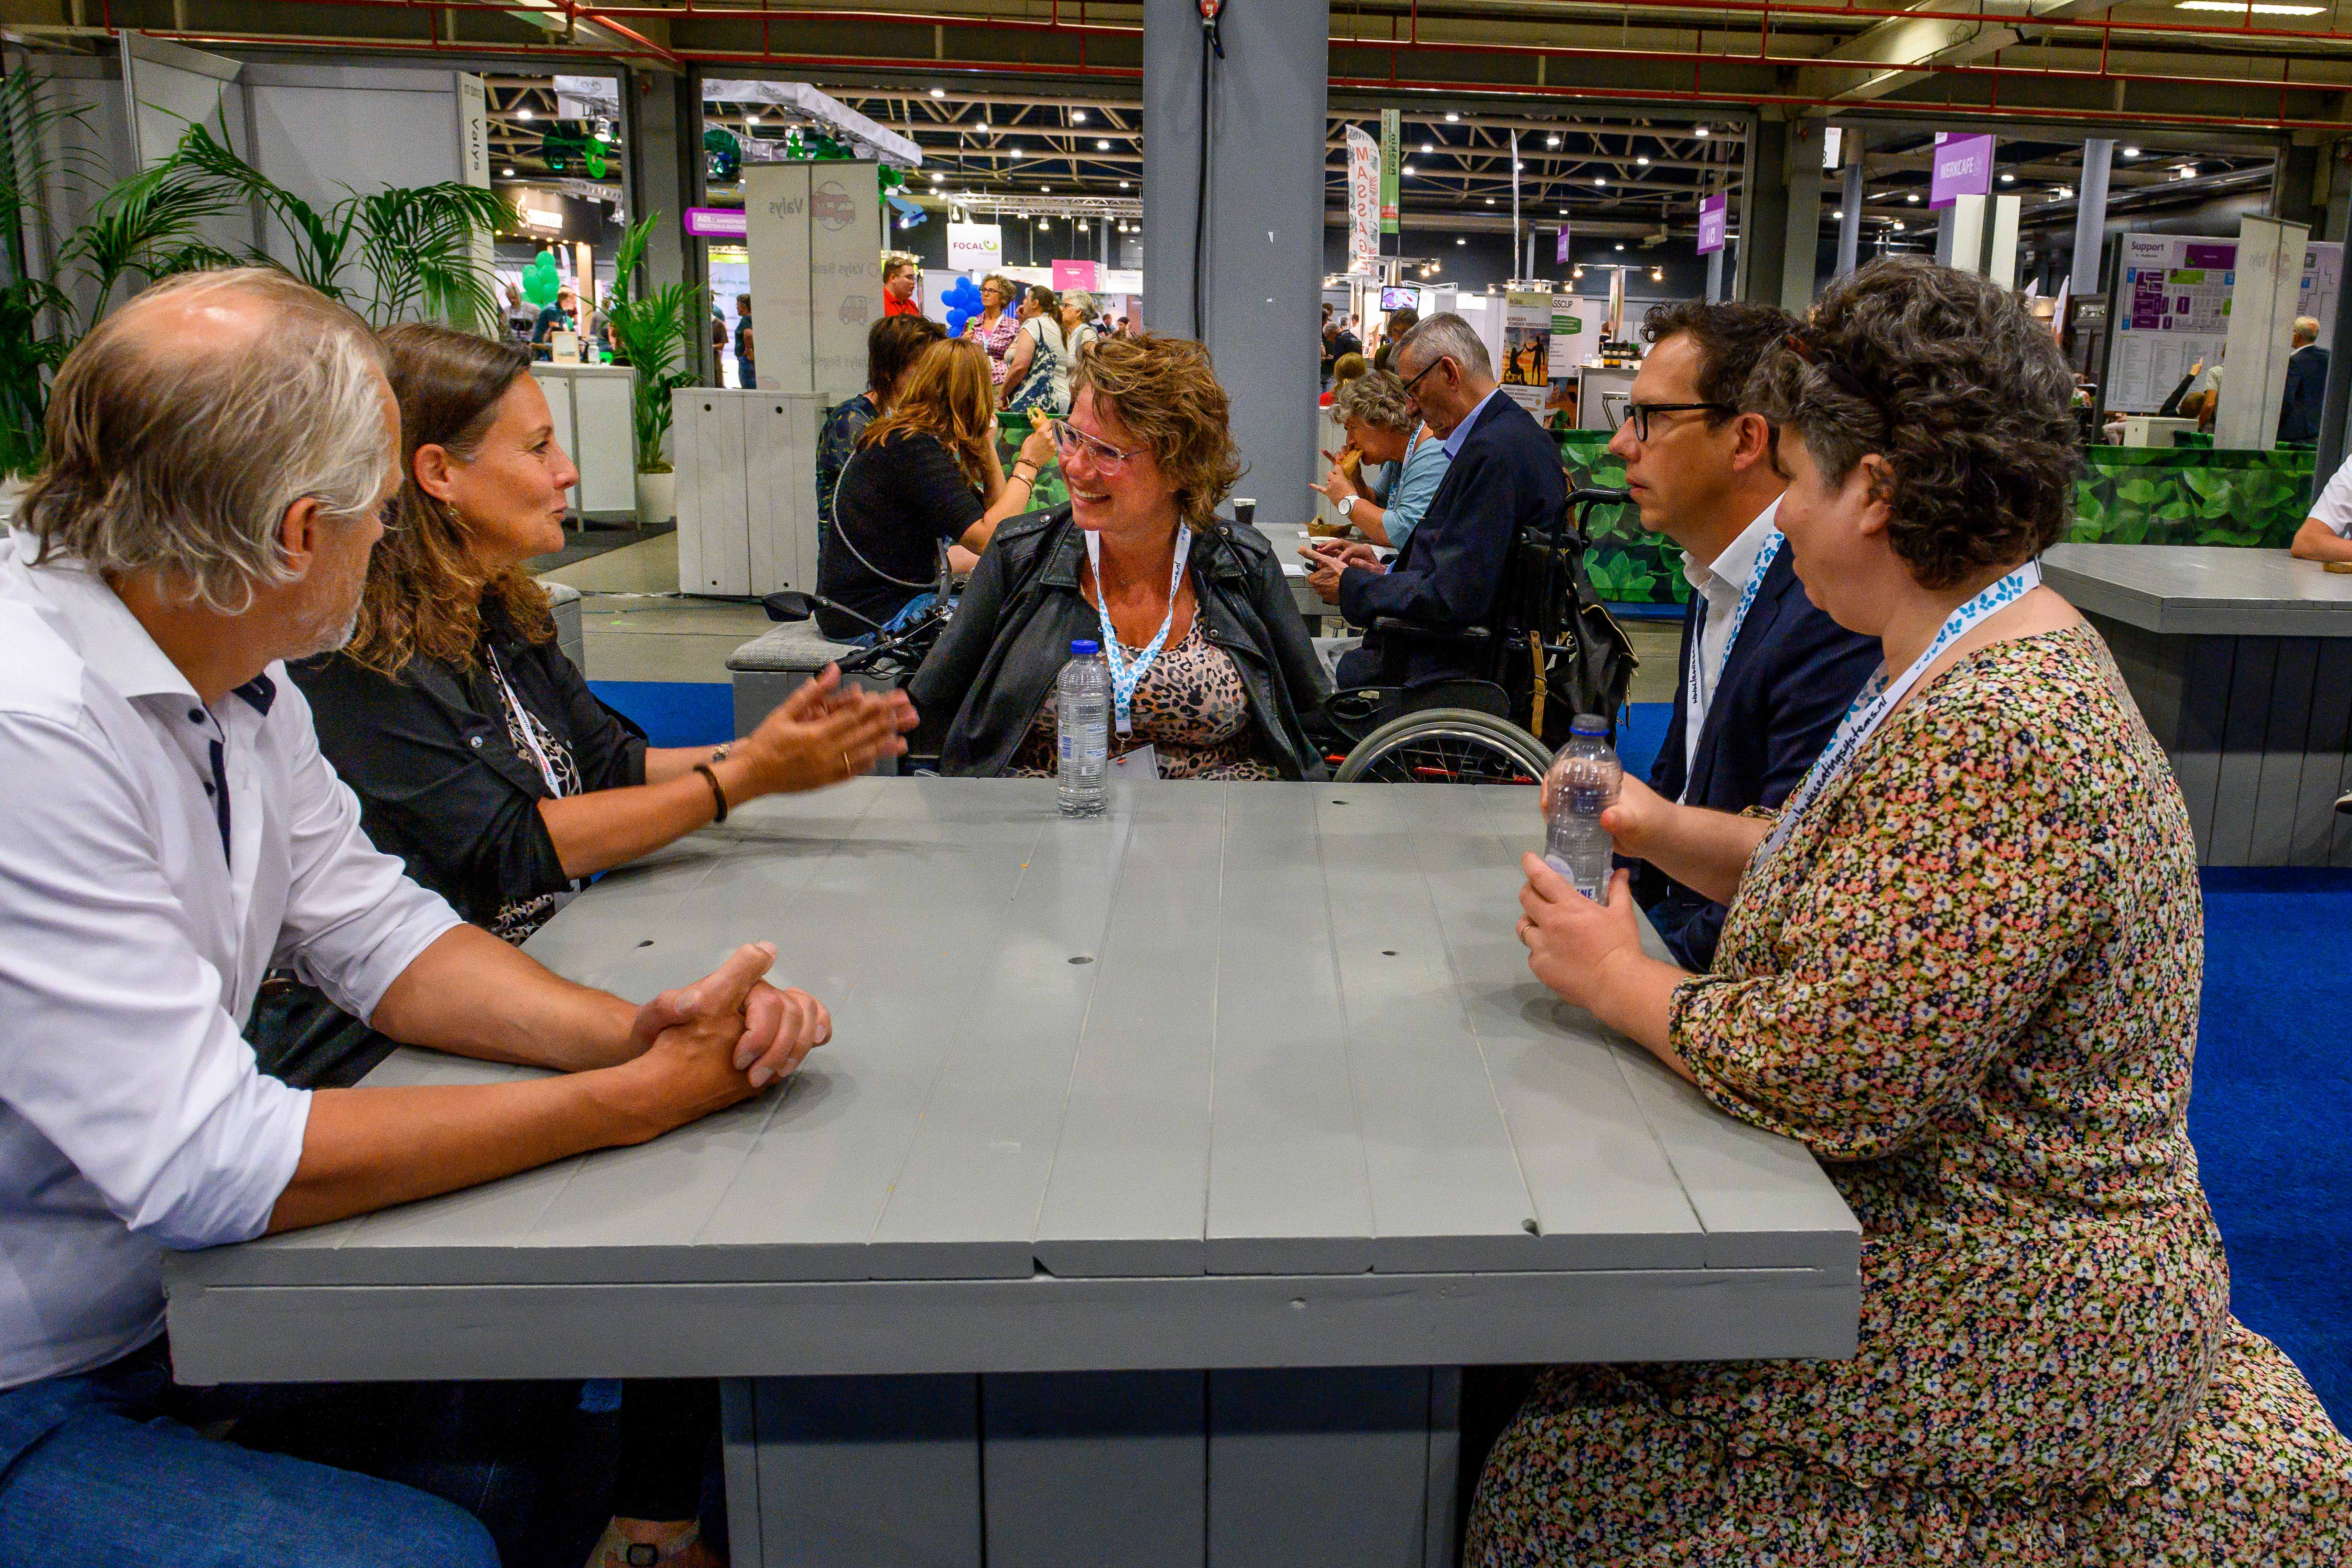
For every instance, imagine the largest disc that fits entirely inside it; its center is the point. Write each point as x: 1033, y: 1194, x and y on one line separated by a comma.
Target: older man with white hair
x: 218, y: 453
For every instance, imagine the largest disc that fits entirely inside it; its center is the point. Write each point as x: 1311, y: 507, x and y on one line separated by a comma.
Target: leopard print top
x: 1190, y: 710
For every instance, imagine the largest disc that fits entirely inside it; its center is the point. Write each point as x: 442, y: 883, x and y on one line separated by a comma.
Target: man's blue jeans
x: 101, y: 1468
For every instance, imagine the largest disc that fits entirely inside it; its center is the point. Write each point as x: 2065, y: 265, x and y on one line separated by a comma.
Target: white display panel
x: 2172, y: 309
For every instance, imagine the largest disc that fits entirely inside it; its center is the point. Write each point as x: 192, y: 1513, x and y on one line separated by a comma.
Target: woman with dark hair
x: 1211, y: 665
x: 922, y: 478
x: 892, y: 346
x: 1962, y: 966
x: 1037, y: 365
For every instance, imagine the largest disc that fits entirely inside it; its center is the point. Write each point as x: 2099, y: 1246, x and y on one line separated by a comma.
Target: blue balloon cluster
x: 963, y: 300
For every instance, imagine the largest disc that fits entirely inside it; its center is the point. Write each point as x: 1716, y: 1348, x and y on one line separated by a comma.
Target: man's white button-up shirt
x: 157, y: 855
x: 1720, y: 583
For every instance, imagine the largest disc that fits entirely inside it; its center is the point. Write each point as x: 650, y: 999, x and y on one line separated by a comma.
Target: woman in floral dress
x: 1963, y: 969
x: 996, y: 325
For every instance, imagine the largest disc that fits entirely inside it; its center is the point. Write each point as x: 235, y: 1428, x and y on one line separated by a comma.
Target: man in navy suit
x: 1506, y: 475
x: 1765, y: 677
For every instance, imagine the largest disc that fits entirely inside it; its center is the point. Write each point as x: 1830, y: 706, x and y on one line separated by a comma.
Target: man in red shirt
x: 900, y: 273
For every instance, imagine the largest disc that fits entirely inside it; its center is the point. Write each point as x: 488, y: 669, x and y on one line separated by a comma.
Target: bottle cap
x: 1589, y: 724
x: 1082, y: 648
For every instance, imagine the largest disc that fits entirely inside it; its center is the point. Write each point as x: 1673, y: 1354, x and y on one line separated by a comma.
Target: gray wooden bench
x: 563, y: 603
x: 778, y: 662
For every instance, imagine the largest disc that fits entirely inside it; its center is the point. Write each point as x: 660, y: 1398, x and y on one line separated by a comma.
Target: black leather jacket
x: 994, y: 667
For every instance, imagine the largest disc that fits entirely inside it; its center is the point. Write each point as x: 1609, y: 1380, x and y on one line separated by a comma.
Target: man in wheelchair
x: 1432, y: 632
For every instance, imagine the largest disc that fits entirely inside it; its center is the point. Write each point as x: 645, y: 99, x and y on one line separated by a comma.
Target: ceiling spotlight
x: 2062, y: 192
x: 939, y: 92
x: 1045, y: 190
x: 1644, y: 159
x: 1839, y: 215
x: 1043, y: 223
x: 1408, y: 168
x: 1436, y: 267
x: 2131, y: 152
x: 1461, y: 239
x: 1078, y: 117
x: 508, y: 174
x: 1600, y: 179
x: 939, y: 179
x: 1490, y: 201
x: 1913, y: 198
x: 1429, y: 146
x: 1516, y: 167
x: 2007, y: 178
x: 1898, y: 226
x: 1563, y: 212
x: 1451, y: 117
x: 1122, y: 184
x: 522, y: 114
x: 1576, y: 273
x: 1698, y: 131
x: 1657, y: 275
x: 1102, y: 146
x: 1552, y: 140
x: 751, y: 118
x: 2187, y: 171
x: 1620, y: 244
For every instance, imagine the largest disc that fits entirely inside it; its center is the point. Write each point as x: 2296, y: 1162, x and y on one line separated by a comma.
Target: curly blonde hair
x: 1164, y: 392
x: 425, y: 591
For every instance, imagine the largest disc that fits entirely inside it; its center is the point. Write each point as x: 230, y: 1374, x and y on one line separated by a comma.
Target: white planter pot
x: 656, y: 499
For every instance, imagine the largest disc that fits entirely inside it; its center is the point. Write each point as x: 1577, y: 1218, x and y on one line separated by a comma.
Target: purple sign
x: 717, y: 223
x: 1713, y: 216
x: 2220, y: 257
x: 1559, y: 252
x: 1963, y: 168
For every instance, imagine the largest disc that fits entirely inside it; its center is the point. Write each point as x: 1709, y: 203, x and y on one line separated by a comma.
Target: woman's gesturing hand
x: 1037, y: 447
x: 824, y: 734
x: 1573, y: 942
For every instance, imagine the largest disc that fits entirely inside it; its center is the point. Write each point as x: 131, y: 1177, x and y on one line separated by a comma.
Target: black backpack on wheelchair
x: 1547, y: 651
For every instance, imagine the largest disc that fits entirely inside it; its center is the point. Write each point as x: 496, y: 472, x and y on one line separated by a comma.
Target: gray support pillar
x: 1944, y: 239
x: 1851, y: 196
x: 1764, y: 212
x: 2091, y: 218
x: 2294, y: 172
x: 1800, y: 242
x: 1259, y: 240
x: 661, y: 126
x: 1715, y: 277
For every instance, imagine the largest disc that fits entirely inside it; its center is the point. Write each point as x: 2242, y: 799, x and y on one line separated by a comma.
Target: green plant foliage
x: 1630, y: 564
x: 651, y: 334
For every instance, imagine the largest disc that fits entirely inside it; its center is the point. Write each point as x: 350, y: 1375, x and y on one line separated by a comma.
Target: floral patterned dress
x: 1969, y: 982
x: 997, y: 340
x: 1191, y: 709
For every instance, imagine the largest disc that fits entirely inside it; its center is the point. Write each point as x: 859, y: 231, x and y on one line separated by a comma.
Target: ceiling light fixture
x: 1600, y: 179
x: 1839, y: 215
x: 2240, y: 7
x: 939, y: 92
x: 1461, y: 239
x: 1429, y: 146
x: 1644, y: 159
x: 1490, y: 201
x: 2131, y: 152
x: 1552, y: 140
x: 1451, y: 117
x: 522, y: 114
x: 1913, y: 198
x: 507, y: 174
x: 1699, y: 131
x: 1122, y: 184
x: 2007, y: 178
x: 1102, y: 146
x: 1620, y: 244
x: 1078, y: 117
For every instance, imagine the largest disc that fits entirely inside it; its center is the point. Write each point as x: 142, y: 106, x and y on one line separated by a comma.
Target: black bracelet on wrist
x: 717, y: 795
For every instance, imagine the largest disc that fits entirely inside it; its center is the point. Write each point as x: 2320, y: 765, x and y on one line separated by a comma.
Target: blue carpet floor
x: 2271, y: 1115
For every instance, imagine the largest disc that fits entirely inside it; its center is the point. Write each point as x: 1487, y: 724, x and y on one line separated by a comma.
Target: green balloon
x: 540, y: 281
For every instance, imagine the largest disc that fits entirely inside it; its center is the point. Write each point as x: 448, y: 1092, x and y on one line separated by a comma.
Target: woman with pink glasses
x: 1211, y: 668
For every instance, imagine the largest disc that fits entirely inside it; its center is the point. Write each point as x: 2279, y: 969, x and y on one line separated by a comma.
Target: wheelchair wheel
x: 1446, y: 745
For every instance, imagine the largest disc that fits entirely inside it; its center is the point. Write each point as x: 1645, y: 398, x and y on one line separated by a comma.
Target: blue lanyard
x: 1125, y: 676
x: 1878, y: 697
x: 1764, y: 558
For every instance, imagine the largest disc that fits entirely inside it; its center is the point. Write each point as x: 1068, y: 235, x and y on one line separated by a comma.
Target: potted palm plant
x: 651, y: 333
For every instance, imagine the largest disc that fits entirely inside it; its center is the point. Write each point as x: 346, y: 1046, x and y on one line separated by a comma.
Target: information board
x: 2172, y: 311
x: 1526, y: 348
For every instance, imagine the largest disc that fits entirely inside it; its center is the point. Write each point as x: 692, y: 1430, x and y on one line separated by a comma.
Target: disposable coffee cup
x: 1245, y: 511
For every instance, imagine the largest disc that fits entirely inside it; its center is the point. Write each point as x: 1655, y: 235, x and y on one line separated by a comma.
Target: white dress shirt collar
x: 1461, y: 433
x: 103, y: 629
x: 1738, y: 557
x: 1719, y: 583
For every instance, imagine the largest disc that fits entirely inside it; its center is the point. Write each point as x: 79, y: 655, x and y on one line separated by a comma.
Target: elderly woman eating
x: 1211, y: 664
x: 1961, y: 966
x: 1383, y: 429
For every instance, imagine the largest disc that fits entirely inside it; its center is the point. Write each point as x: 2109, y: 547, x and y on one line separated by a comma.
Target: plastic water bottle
x: 1082, y: 709
x: 1582, y: 782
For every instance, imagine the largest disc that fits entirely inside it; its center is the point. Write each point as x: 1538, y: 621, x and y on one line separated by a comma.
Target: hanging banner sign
x: 1074, y: 275
x: 1391, y: 160
x: 1363, y: 202
x: 1963, y: 168
x: 716, y: 223
x: 1560, y: 251
x: 1527, y: 347
x: 975, y: 246
x: 1714, y: 216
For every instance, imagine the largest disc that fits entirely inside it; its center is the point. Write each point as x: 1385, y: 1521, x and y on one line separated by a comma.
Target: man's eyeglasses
x: 1639, y: 414
x: 1424, y: 369
x: 1108, y: 461
x: 1842, y: 378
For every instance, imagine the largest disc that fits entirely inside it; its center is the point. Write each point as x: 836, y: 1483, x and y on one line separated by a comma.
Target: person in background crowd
x: 892, y: 346
x: 1079, y: 331
x: 1382, y: 427
x: 923, y: 475
x: 1400, y: 322
x: 746, y: 360
x: 718, y: 337
x: 1962, y: 968
x: 453, y: 644
x: 2306, y: 384
x: 997, y: 324
x: 1505, y: 476
x: 221, y: 450
x: 1345, y: 369
x: 1038, y: 362
x: 559, y: 317
x: 520, y: 317
x: 1125, y: 329
x: 1764, y: 676
x: 1223, y: 665
x: 902, y: 275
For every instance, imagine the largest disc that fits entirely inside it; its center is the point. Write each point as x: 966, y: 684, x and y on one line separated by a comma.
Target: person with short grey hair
x: 219, y: 454
x: 1505, y: 476
x: 2306, y: 384
x: 1382, y: 428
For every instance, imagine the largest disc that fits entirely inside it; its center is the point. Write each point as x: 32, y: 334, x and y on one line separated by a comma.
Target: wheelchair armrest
x: 1466, y: 637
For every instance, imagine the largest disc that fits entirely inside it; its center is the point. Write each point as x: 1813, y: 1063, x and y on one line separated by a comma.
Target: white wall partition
x: 746, y: 489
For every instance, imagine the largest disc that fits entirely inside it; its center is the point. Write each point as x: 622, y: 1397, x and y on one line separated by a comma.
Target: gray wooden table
x: 2241, y: 661
x: 1205, y: 1139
